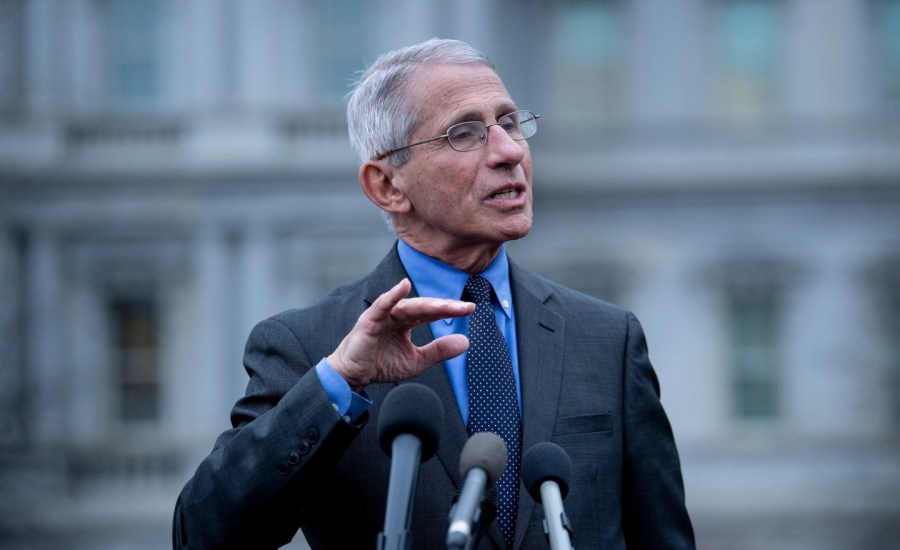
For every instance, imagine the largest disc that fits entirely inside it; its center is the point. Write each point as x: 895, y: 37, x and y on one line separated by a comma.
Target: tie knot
x: 479, y: 289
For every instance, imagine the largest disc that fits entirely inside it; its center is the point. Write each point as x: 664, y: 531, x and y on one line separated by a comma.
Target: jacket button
x: 304, y: 447
x: 293, y: 457
x: 312, y: 435
x: 283, y: 468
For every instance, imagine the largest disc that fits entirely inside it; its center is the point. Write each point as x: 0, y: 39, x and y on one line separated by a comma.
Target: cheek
x: 452, y: 185
x: 438, y: 199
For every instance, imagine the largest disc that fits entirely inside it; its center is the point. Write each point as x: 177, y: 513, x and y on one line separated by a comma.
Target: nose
x: 503, y: 150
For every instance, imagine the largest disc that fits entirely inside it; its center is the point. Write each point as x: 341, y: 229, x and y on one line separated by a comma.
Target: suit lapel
x: 540, y: 333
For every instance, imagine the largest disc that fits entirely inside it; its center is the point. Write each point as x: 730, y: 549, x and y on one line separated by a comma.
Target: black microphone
x: 409, y: 428
x: 546, y: 469
x: 481, y: 463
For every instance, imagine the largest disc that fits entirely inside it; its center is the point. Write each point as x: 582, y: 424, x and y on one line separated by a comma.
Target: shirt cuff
x: 348, y: 403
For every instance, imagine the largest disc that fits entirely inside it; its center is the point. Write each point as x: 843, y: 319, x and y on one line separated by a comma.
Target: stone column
x: 207, y: 390
x: 88, y: 355
x: 46, y: 383
x: 255, y: 292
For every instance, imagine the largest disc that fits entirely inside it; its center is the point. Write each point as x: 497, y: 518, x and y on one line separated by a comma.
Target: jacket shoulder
x: 562, y: 298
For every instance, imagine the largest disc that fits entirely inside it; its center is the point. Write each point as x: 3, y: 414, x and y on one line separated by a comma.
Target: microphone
x: 546, y: 469
x: 481, y: 463
x: 409, y: 428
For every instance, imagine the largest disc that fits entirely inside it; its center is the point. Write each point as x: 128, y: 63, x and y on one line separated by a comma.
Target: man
x: 443, y: 154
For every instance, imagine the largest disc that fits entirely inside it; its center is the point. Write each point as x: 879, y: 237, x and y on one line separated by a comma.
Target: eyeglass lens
x: 467, y: 136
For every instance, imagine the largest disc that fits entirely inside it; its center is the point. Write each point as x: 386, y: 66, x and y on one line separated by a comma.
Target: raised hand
x: 379, y: 349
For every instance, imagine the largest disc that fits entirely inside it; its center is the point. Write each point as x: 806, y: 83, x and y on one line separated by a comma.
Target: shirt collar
x: 435, y: 279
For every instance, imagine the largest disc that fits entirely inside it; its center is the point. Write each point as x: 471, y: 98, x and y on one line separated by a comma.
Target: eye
x: 467, y: 131
x: 509, y: 124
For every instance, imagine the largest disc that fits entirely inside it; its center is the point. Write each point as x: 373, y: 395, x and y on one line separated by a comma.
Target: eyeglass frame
x: 446, y: 135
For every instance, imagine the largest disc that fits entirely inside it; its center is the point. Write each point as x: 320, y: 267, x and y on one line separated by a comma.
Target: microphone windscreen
x: 411, y: 409
x: 546, y: 461
x: 485, y: 450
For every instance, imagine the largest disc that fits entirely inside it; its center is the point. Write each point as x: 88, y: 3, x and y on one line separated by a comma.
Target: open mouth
x: 509, y: 194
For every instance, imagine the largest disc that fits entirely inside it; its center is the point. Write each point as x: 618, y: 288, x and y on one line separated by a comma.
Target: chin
x: 514, y: 233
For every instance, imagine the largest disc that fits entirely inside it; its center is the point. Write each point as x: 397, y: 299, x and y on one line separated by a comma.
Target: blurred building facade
x: 172, y: 172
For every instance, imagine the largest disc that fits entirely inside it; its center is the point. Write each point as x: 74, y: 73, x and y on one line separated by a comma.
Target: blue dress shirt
x: 435, y: 279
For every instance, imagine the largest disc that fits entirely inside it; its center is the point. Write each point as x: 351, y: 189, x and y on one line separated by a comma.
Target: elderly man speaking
x: 444, y: 154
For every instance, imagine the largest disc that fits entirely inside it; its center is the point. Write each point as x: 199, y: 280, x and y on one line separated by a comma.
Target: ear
x: 377, y: 181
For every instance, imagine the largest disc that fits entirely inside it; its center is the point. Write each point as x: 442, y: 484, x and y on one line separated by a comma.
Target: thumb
x: 443, y: 348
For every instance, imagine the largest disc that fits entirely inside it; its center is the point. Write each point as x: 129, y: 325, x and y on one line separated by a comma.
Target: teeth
x: 507, y: 194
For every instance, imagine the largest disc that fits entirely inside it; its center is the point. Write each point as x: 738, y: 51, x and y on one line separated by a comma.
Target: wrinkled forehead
x: 450, y: 93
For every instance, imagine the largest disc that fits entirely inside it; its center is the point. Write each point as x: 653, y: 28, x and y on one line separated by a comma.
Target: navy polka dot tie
x: 493, y: 403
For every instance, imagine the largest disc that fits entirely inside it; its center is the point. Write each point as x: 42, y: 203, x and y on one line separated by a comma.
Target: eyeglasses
x: 468, y: 136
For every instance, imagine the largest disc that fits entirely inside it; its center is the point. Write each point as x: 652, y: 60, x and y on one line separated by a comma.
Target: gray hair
x: 380, y: 116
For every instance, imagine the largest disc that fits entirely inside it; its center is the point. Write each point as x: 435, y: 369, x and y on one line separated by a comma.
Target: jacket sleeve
x: 653, y: 511
x: 253, y: 488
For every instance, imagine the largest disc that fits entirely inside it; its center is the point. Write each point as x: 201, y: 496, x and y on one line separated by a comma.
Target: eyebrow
x: 472, y: 115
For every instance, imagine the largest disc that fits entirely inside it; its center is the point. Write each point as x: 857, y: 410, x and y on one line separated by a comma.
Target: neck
x: 473, y: 258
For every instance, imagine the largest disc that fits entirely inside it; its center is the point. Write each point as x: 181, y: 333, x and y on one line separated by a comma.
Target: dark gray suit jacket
x: 291, y: 462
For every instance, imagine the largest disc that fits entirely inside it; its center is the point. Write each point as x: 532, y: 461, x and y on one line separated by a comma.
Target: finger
x: 426, y: 310
x: 443, y: 348
x: 380, y: 309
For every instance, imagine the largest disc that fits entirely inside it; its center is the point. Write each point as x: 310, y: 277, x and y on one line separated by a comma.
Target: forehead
x: 449, y: 93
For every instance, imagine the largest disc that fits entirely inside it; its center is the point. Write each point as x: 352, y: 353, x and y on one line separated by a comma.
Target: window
x: 134, y: 48
x: 888, y: 33
x: 135, y: 359
x: 753, y: 325
x: 894, y: 328
x: 344, y: 24
x: 589, y: 49
x: 747, y: 48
